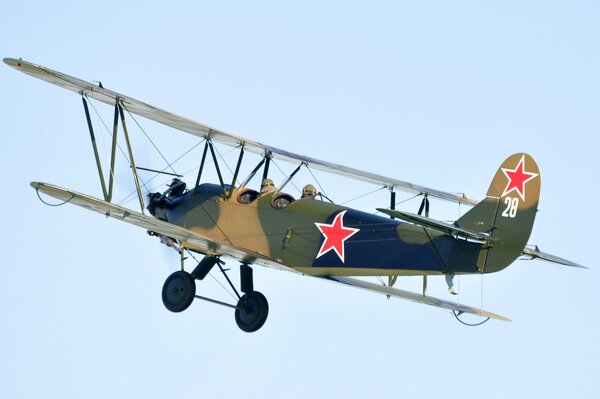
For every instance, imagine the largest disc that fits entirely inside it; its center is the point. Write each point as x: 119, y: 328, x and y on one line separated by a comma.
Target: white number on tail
x: 511, y: 207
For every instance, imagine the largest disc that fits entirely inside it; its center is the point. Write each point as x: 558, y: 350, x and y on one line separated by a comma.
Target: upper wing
x: 156, y: 225
x: 187, y: 125
x: 411, y: 296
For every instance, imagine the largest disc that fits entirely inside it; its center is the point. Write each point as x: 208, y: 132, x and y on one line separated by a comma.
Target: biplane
x: 306, y: 235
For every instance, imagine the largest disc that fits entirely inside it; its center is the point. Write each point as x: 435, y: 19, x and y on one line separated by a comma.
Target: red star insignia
x: 335, y: 234
x: 517, y: 178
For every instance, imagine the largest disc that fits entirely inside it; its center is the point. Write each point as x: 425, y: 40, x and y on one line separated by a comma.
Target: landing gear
x: 251, y: 311
x: 178, y: 291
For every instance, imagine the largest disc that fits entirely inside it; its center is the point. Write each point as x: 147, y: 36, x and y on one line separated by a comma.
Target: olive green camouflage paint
x: 289, y: 235
x: 498, y: 215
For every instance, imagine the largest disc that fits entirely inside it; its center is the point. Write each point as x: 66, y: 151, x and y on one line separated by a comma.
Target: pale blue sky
x: 437, y: 93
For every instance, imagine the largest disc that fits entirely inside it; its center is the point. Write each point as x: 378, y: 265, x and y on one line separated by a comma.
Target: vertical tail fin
x: 507, y: 213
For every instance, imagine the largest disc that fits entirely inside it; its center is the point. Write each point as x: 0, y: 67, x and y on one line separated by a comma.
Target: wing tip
x: 16, y: 63
x: 10, y: 61
x: 495, y: 316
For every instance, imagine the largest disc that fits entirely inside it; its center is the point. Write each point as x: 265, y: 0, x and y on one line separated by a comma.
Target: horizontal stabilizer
x: 414, y: 297
x: 537, y: 254
x: 446, y: 228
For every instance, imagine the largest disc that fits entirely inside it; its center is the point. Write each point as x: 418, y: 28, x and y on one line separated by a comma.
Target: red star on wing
x: 517, y: 178
x: 335, y: 235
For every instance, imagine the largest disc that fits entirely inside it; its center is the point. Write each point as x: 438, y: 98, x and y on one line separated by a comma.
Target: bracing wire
x: 118, y: 145
x: 185, y: 153
x: 131, y: 195
x: 213, y: 277
x: 283, y: 173
x: 401, y: 202
x: 408, y: 199
x: 316, y: 181
x: 481, y: 303
x: 221, y: 157
x: 107, y: 129
x: 362, y: 196
x: 149, y: 139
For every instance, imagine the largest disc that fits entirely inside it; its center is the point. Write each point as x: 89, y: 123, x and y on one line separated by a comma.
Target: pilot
x: 309, y: 191
x: 176, y: 188
x: 267, y: 187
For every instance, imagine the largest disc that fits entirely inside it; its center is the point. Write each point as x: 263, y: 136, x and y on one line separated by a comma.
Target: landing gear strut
x: 251, y: 310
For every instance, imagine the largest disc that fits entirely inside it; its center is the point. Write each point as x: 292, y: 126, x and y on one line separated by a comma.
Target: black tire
x: 252, y: 311
x: 178, y: 291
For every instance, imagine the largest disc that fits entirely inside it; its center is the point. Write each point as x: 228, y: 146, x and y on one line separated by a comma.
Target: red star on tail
x: 517, y: 178
x: 335, y: 234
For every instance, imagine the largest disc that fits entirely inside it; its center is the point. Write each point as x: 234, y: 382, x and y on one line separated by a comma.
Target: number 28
x: 511, y: 207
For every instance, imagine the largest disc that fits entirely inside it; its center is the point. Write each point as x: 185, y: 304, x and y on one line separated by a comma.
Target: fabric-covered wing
x: 158, y: 226
x: 411, y: 296
x: 187, y: 125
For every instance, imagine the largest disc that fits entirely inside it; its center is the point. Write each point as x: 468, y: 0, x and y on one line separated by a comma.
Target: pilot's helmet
x: 267, y: 185
x: 309, y: 191
x: 176, y: 188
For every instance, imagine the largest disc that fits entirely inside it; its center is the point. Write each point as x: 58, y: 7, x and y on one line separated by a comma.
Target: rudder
x: 507, y: 213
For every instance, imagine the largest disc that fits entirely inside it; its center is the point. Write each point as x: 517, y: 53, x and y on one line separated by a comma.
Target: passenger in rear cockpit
x: 309, y: 191
x: 267, y: 186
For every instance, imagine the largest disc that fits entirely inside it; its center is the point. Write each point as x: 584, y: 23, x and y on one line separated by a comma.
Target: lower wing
x: 414, y: 297
x: 181, y: 234
x: 217, y: 248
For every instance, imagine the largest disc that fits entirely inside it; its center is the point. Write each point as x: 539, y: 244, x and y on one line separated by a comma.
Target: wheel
x: 178, y: 291
x: 252, y: 311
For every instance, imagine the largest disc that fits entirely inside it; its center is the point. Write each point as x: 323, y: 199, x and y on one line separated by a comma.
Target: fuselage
x: 321, y: 238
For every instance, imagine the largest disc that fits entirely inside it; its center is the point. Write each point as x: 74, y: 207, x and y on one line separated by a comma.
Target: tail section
x: 507, y: 213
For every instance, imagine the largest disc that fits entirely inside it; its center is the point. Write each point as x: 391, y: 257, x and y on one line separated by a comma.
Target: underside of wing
x: 187, y: 125
x: 181, y: 234
x: 411, y: 296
